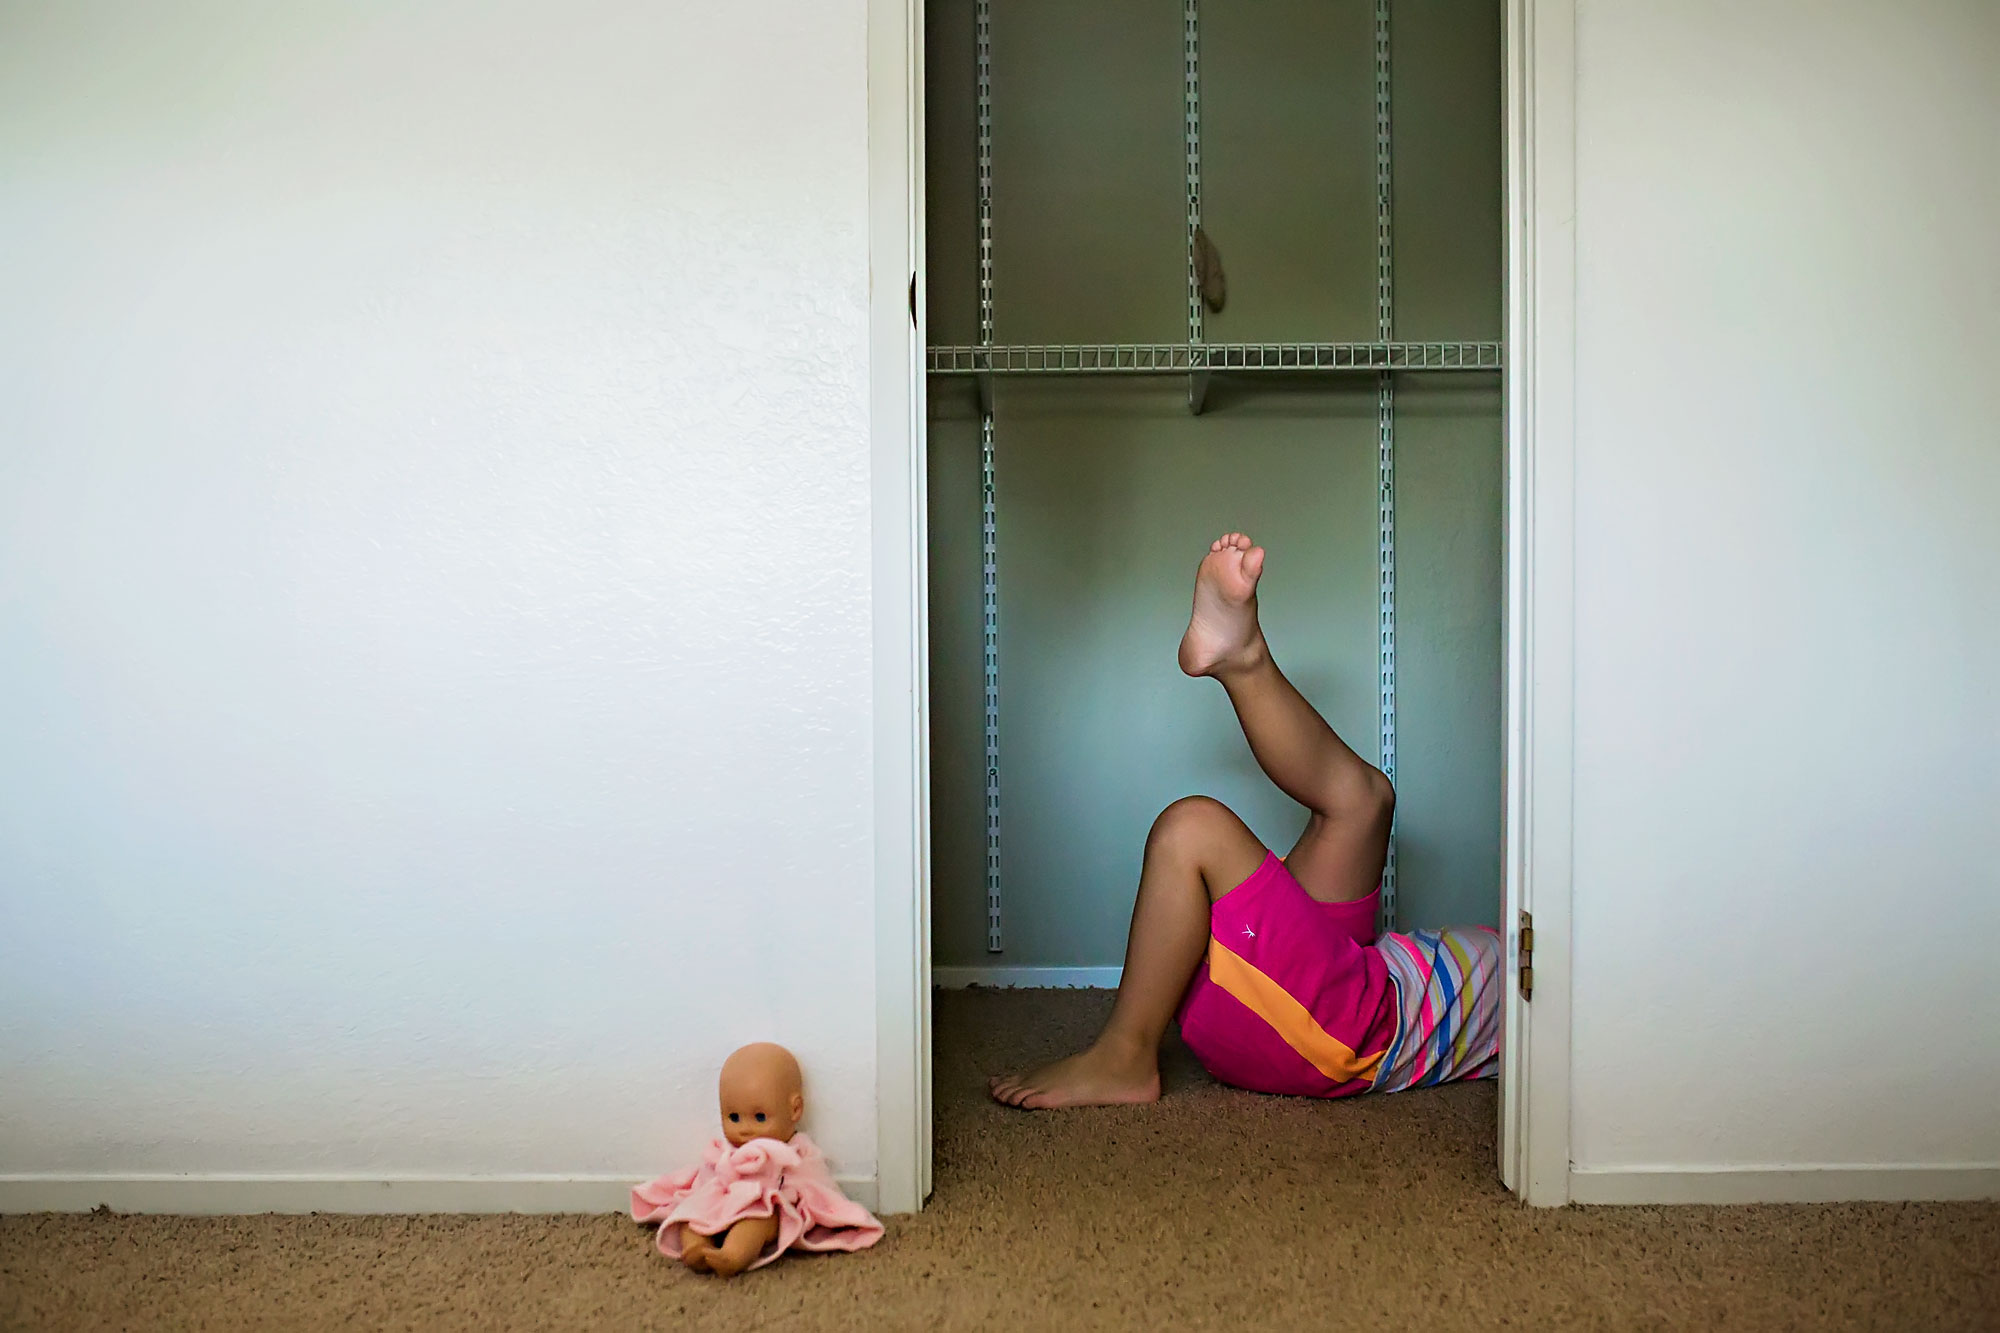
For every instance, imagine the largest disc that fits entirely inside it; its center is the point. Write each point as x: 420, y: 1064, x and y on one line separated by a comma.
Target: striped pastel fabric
x: 1448, y: 1000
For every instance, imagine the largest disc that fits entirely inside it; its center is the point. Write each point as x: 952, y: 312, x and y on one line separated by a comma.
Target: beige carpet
x: 1214, y: 1209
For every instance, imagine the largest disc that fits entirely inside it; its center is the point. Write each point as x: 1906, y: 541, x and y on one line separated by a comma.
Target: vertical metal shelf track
x: 989, y: 552
x: 1385, y: 431
x: 1191, y: 85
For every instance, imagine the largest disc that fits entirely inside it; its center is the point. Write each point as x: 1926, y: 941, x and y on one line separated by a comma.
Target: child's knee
x: 1193, y: 823
x: 1357, y: 793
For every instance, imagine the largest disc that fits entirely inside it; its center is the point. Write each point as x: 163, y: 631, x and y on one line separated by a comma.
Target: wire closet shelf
x: 1186, y: 358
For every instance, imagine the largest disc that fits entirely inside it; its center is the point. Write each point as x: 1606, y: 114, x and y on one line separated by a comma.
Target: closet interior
x: 1096, y: 419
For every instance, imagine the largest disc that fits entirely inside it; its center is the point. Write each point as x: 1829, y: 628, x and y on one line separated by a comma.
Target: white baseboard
x: 1809, y: 1184
x: 216, y: 1195
x: 1027, y: 978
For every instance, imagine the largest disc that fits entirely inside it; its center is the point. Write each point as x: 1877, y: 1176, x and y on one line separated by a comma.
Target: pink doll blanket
x: 763, y: 1178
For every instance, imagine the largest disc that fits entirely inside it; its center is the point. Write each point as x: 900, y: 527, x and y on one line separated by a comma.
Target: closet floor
x: 1213, y: 1209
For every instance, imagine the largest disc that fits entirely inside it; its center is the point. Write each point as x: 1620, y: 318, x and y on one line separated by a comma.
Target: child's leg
x: 1339, y: 856
x: 1198, y: 851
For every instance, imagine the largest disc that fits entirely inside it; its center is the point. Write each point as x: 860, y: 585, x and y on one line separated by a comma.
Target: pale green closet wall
x: 1109, y: 490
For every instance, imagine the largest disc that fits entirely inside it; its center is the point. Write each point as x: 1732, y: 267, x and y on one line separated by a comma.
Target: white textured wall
x: 434, y: 667
x: 1788, y: 584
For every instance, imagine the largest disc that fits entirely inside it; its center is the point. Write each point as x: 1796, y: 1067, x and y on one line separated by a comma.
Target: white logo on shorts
x: 1249, y: 934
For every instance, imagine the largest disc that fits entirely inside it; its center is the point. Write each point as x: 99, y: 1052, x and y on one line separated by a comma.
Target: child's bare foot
x: 1100, y: 1076
x: 1223, y: 631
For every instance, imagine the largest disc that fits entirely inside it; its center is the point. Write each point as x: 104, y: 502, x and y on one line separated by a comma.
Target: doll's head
x: 763, y: 1094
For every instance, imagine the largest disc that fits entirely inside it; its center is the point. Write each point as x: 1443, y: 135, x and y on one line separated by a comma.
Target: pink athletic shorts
x: 1292, y: 997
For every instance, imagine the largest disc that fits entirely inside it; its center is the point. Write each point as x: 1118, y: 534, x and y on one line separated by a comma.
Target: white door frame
x: 900, y: 563
x: 1539, y: 615
x: 1540, y: 88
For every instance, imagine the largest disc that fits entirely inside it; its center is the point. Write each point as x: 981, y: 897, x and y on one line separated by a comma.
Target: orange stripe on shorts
x: 1287, y: 1017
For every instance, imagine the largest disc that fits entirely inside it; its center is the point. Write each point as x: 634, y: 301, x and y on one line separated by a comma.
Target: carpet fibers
x: 1215, y: 1209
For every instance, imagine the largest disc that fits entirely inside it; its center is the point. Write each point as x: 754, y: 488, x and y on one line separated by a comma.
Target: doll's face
x: 752, y: 1116
x: 761, y: 1097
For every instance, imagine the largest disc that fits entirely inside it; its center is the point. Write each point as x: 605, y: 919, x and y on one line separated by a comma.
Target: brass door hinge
x: 1527, y: 949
